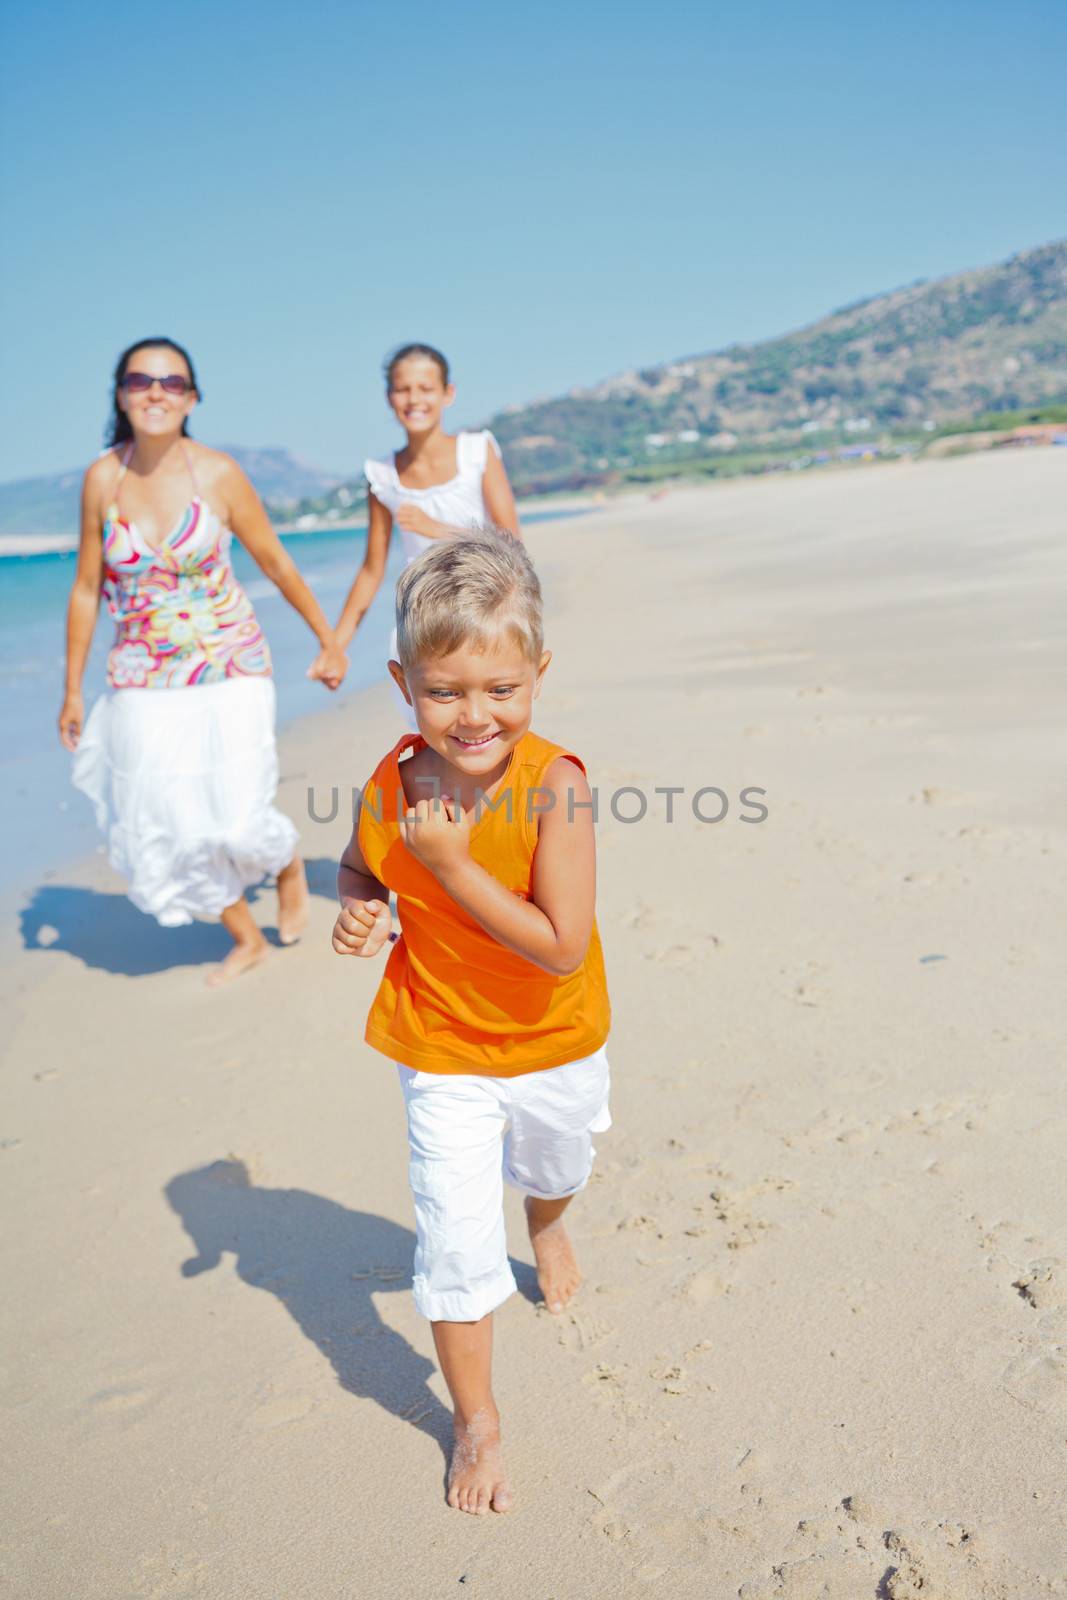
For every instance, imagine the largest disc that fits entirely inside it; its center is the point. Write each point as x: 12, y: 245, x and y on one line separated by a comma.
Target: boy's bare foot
x: 293, y: 901
x: 476, y: 1478
x: 240, y: 960
x: 558, y: 1274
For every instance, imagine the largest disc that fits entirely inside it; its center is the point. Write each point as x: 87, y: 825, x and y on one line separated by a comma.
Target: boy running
x: 493, y: 1003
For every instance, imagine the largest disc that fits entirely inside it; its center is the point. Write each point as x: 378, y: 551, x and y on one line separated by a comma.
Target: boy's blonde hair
x: 469, y: 590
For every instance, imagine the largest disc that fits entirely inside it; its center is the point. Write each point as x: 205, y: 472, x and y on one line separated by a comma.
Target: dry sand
x: 822, y: 1348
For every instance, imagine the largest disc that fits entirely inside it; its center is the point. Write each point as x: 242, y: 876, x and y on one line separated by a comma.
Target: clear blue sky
x: 551, y: 192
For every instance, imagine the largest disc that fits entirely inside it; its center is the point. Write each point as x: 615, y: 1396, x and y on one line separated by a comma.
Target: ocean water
x: 48, y: 822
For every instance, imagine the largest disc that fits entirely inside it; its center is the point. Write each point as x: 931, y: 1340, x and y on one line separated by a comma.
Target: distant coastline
x: 1035, y: 431
x: 26, y: 546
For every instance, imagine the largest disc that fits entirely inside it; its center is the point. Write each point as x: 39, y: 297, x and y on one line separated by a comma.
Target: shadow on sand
x: 105, y: 931
x: 325, y: 1264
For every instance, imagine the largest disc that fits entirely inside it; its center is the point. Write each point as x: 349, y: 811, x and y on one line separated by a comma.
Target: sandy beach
x: 821, y: 1350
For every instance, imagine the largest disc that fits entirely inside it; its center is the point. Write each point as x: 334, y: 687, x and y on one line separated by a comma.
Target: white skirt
x: 183, y: 781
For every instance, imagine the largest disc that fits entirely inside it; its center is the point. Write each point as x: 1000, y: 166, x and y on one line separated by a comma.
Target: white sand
x: 822, y: 1348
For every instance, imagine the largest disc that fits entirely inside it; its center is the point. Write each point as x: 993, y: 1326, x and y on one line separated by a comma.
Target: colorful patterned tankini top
x: 181, y: 616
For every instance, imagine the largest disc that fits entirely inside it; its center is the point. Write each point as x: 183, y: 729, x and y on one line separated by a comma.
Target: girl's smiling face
x: 472, y: 708
x: 153, y: 411
x: 418, y: 394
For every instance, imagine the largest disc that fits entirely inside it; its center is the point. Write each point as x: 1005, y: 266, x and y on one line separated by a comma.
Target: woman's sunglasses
x: 139, y: 382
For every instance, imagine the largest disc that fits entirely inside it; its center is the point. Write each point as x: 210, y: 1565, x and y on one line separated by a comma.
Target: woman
x: 179, y: 758
x: 439, y: 484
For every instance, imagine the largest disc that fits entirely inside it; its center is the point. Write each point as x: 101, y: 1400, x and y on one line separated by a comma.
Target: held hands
x: 362, y: 928
x: 71, y: 721
x: 437, y: 833
x: 330, y: 665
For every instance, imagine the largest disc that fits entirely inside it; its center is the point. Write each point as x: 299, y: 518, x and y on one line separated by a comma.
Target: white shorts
x: 459, y: 1167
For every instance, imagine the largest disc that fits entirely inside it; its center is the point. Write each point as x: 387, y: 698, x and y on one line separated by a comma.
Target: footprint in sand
x: 805, y: 985
x: 640, y: 918
x: 580, y: 1329
x: 170, y: 1574
x: 702, y: 1286
x: 934, y: 795
x: 723, y: 1208
x: 640, y: 1222
x: 743, y: 1228
x: 607, y: 1381
x: 846, y: 1554
x: 699, y: 949
x: 670, y: 1376
x: 119, y: 1398
x: 282, y: 1409
x: 1043, y: 1285
x: 1037, y: 1375
x: 834, y: 1127
x: 1038, y: 1380
x: 644, y: 1507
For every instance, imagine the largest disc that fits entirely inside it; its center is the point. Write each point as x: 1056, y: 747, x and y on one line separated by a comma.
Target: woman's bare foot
x: 476, y: 1478
x: 293, y: 901
x: 240, y: 960
x: 557, y: 1266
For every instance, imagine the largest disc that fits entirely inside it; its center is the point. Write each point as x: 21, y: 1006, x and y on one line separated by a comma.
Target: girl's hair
x: 406, y: 350
x: 469, y: 590
x: 118, y: 428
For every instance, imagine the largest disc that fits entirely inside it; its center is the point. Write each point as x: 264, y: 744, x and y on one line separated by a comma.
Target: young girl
x: 179, y: 756
x: 493, y: 1003
x: 438, y: 485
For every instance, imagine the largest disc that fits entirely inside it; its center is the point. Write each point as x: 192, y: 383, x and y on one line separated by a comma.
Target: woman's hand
x: 414, y: 520
x: 437, y: 833
x: 362, y: 928
x: 330, y: 665
x: 71, y: 720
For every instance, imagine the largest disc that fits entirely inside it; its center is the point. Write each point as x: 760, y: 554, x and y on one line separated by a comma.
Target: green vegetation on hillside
x: 881, y: 376
x: 1005, y: 421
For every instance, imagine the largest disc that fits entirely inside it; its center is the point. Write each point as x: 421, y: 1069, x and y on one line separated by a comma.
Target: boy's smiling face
x: 473, y: 707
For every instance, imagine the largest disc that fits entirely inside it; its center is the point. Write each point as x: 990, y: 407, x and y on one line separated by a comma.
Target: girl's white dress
x: 179, y: 757
x: 459, y: 503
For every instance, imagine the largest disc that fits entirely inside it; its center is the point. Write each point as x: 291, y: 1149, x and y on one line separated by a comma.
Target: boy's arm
x: 552, y: 928
x: 364, y: 923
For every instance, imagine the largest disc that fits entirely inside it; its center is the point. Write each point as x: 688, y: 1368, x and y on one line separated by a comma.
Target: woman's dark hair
x: 407, y: 350
x: 118, y: 428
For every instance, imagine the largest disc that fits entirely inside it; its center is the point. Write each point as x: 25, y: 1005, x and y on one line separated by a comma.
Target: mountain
x: 993, y: 339
x: 49, y: 505
x: 884, y: 374
x: 280, y: 478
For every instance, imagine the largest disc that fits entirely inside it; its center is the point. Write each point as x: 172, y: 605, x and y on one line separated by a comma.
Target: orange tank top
x: 452, y: 999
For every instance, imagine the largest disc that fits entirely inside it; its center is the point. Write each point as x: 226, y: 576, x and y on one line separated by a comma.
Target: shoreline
x: 878, y: 451
x: 27, y: 546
